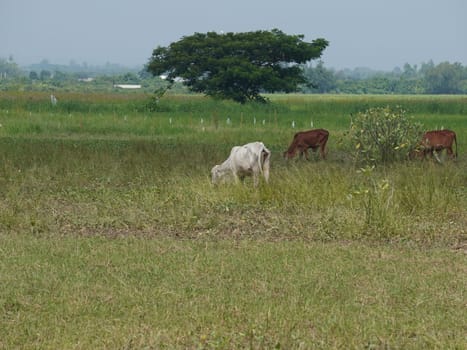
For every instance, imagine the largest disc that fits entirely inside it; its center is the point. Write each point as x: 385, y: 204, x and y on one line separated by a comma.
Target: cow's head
x: 416, y: 153
x: 215, y: 174
x: 289, y: 154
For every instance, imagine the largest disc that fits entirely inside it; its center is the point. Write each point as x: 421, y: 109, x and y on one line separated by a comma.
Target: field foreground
x: 112, y: 236
x: 133, y: 293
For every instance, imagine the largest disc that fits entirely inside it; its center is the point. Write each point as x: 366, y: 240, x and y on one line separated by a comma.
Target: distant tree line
x: 428, y: 78
x: 45, y: 76
x: 9, y: 69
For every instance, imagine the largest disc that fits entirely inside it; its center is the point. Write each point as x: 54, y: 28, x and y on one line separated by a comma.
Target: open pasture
x: 113, y: 237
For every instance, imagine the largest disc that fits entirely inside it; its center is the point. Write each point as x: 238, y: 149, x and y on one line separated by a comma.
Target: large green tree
x: 237, y: 66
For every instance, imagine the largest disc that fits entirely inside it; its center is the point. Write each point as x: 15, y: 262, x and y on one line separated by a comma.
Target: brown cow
x: 303, y: 140
x: 436, y: 141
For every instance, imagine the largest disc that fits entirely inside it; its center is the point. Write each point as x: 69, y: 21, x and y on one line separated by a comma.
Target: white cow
x: 251, y: 159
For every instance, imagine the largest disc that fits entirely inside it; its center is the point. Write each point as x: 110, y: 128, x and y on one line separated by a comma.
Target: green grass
x: 105, y: 186
x: 112, y: 236
x: 137, y: 293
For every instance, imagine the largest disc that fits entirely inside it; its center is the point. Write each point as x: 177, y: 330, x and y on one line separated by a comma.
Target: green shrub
x: 383, y: 135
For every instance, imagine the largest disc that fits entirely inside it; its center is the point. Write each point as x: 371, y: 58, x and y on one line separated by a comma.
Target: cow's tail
x: 263, y: 162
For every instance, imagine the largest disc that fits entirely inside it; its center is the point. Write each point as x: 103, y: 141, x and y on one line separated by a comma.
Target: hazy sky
x: 377, y: 34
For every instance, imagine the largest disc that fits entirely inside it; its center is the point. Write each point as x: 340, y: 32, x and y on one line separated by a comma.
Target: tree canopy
x: 237, y: 66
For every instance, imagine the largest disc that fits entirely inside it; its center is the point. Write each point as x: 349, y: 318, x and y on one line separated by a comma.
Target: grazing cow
x: 304, y: 140
x: 436, y: 141
x: 251, y: 159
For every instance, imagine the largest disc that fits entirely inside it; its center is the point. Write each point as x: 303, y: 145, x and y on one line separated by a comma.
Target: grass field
x: 112, y: 237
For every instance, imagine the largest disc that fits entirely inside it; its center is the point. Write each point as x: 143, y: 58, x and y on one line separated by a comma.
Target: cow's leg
x: 428, y: 152
x: 322, y: 151
x: 315, y: 150
x: 300, y: 153
x: 255, y: 179
x: 236, y: 177
x: 435, y: 154
x: 449, y: 152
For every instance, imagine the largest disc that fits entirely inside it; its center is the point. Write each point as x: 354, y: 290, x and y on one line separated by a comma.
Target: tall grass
x: 110, y: 186
x: 141, y: 172
x: 119, y: 167
x: 112, y: 236
x: 304, y: 105
x: 127, y: 115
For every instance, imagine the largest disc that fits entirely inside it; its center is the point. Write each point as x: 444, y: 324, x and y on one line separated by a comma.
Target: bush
x: 383, y: 135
